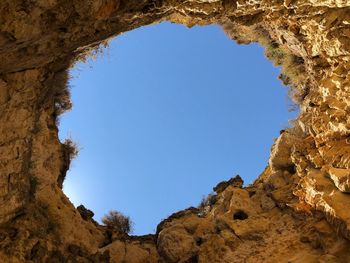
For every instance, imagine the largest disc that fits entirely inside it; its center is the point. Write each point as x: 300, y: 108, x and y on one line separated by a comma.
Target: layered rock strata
x: 296, y: 211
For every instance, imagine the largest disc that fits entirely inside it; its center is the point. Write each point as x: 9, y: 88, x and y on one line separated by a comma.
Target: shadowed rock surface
x: 296, y: 211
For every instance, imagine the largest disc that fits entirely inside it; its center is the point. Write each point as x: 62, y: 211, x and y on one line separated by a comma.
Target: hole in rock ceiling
x: 163, y: 115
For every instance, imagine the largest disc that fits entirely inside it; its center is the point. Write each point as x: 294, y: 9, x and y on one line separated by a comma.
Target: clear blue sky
x: 165, y: 114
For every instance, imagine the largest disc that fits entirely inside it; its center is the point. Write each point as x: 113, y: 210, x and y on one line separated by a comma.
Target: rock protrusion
x: 235, y: 182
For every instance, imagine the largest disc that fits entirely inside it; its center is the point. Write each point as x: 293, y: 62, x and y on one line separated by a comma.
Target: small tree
x: 118, y: 221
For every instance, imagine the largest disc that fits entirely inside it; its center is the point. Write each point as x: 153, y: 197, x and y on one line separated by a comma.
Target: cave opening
x: 240, y: 215
x: 165, y: 114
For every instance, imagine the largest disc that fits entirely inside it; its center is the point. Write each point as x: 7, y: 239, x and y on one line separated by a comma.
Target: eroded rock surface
x: 296, y: 211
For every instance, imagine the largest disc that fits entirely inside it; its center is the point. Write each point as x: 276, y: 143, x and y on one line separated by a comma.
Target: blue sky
x: 163, y: 115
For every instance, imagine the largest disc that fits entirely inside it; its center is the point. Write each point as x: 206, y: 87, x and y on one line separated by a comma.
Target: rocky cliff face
x: 296, y: 211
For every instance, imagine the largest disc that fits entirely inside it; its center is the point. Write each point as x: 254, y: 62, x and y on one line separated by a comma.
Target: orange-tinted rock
x: 296, y: 211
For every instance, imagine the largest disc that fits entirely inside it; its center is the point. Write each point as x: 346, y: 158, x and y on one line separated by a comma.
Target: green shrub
x: 70, y: 151
x: 293, y: 71
x: 117, y: 221
x: 62, y: 101
x: 59, y: 92
x: 206, y: 203
x: 275, y: 53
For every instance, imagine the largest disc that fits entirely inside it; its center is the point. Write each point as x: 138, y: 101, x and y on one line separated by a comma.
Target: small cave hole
x: 199, y: 241
x: 240, y: 215
x: 291, y: 169
x: 63, y: 29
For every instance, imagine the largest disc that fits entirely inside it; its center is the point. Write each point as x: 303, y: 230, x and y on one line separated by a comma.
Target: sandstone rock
x: 176, y: 245
x: 341, y: 178
x: 280, y: 158
x: 296, y: 211
x: 85, y: 213
x: 4, y: 96
x: 235, y: 181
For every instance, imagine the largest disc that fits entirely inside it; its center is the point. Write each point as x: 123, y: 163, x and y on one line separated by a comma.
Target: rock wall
x: 297, y: 209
